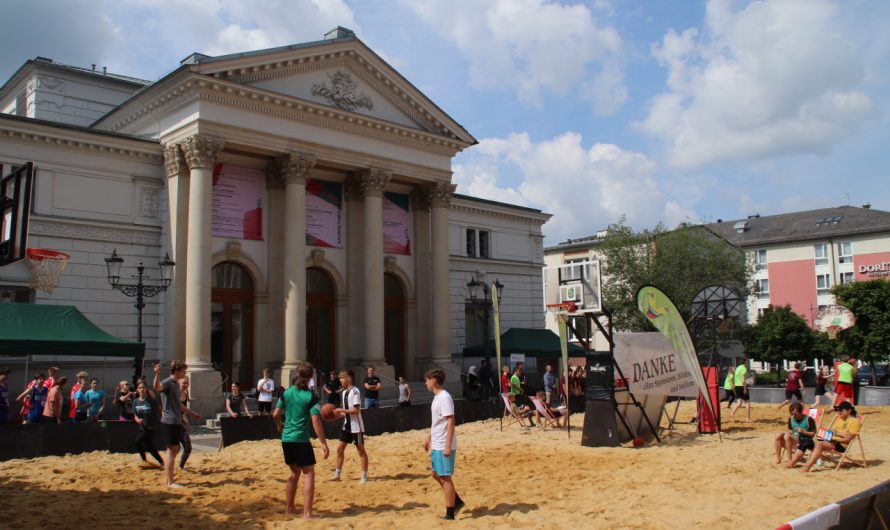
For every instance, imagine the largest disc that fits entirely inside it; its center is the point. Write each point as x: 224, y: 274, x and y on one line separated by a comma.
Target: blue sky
x: 659, y: 111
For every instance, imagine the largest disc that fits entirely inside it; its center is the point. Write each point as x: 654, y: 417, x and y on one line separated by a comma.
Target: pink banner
x: 238, y: 202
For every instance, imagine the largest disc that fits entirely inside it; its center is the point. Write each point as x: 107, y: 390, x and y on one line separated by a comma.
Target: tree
x: 779, y: 334
x: 869, y: 339
x: 680, y: 262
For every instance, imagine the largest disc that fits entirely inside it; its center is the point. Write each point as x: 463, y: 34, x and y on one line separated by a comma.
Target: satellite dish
x: 716, y: 301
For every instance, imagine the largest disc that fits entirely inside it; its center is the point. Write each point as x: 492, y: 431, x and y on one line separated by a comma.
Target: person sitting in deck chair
x: 843, y: 430
x: 558, y: 414
x: 522, y: 411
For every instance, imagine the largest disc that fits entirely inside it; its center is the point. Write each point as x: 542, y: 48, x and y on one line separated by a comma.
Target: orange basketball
x: 327, y: 412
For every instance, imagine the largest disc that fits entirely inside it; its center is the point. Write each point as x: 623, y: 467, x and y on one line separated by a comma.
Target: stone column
x: 201, y: 153
x: 420, y: 209
x: 294, y: 172
x: 177, y: 226
x: 371, y: 183
x: 353, y: 350
x: 440, y: 195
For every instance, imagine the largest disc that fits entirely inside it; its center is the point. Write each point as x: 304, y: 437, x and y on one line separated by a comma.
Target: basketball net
x: 832, y: 332
x: 46, y: 268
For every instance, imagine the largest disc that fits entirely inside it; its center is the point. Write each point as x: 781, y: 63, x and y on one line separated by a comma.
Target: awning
x: 531, y: 342
x: 37, y: 329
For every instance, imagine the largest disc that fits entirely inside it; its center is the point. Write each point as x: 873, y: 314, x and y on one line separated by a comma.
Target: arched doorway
x: 231, y: 322
x: 394, y: 322
x: 320, y: 322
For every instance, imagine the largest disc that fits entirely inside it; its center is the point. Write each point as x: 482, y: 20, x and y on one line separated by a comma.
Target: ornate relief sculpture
x: 201, y: 151
x: 343, y: 92
x: 174, y: 161
x: 369, y: 182
x: 440, y: 194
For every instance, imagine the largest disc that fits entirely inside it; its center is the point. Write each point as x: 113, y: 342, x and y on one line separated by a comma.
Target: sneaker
x: 174, y: 485
x: 448, y: 517
x: 363, y: 480
x: 458, y: 506
x: 335, y: 476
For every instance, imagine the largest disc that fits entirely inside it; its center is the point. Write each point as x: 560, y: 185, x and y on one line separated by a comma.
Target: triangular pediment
x: 343, y: 74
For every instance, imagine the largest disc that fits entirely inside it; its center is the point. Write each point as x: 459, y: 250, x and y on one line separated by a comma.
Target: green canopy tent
x: 35, y: 329
x: 531, y: 342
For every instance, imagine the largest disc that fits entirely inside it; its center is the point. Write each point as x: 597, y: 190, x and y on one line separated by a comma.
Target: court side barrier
x: 377, y: 421
x: 33, y: 441
x: 867, y: 510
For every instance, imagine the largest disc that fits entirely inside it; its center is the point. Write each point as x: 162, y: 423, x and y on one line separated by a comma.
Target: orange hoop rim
x: 41, y: 254
x: 568, y: 307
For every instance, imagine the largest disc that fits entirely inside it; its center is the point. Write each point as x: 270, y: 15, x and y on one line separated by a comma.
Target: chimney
x: 339, y: 33
x: 104, y: 70
x: 94, y: 67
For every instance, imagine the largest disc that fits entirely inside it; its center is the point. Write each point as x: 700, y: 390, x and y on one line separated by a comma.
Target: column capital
x: 369, y: 182
x: 174, y: 161
x: 292, y: 168
x: 201, y: 151
x: 440, y: 194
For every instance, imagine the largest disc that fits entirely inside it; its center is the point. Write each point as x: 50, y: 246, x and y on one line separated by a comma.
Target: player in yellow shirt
x: 844, y: 429
x: 741, y: 388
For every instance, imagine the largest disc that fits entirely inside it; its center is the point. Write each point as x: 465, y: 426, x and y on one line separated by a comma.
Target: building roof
x: 825, y: 223
x: 496, y: 203
x: 46, y: 63
x: 576, y: 243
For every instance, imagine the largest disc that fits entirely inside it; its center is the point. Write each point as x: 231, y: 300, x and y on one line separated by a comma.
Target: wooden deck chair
x: 546, y: 417
x: 509, y: 416
x: 818, y: 415
x: 857, y: 439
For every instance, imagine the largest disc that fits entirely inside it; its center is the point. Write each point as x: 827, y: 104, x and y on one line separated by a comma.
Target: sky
x: 658, y: 112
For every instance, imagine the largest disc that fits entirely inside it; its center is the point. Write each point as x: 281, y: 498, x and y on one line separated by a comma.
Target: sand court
x: 515, y: 479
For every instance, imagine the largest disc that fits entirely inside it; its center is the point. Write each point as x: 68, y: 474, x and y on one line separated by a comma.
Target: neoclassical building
x: 304, y: 193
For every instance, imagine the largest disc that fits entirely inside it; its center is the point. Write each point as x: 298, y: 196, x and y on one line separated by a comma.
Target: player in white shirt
x: 265, y: 387
x: 353, y: 430
x: 442, y: 441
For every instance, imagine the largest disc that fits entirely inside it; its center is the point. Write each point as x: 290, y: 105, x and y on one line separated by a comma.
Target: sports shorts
x: 172, y: 433
x: 442, y: 466
x: 298, y: 454
x: 348, y: 437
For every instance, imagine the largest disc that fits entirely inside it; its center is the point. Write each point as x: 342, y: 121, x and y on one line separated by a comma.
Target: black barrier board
x: 244, y: 429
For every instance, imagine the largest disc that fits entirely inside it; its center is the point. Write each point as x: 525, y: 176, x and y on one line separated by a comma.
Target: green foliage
x: 679, y: 262
x: 779, y: 334
x: 767, y: 378
x: 869, y: 339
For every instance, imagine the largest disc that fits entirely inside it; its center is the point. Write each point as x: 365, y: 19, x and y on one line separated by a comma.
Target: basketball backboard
x: 577, y: 282
x: 15, y: 205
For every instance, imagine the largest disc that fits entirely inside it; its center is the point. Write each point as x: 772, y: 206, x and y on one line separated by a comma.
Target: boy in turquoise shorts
x: 299, y: 406
x: 442, y: 441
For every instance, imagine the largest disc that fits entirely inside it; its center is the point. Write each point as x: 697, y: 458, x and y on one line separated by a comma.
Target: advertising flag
x: 663, y: 314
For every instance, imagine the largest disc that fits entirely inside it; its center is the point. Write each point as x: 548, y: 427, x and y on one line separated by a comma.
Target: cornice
x: 93, y: 231
x: 539, y: 218
x: 201, y: 87
x: 95, y: 142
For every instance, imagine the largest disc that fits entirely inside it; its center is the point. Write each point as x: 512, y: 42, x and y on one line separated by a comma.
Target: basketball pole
x: 564, y: 349
x: 496, y: 314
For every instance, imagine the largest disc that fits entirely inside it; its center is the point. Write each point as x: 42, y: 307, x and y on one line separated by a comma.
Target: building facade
x: 798, y: 257
x: 304, y: 193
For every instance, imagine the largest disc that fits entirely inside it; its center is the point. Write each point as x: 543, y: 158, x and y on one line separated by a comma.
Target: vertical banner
x: 324, y: 213
x: 496, y: 310
x: 238, y: 202
x: 663, y: 314
x: 396, y: 224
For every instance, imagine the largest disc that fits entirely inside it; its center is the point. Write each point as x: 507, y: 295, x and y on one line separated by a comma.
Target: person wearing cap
x: 844, y: 429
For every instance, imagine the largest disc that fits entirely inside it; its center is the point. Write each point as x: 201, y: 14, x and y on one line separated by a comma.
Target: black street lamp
x: 139, y: 290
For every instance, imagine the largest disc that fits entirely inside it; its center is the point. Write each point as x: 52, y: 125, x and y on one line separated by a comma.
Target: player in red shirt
x: 793, y: 385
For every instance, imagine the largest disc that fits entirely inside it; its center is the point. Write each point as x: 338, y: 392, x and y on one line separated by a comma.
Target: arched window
x: 394, y: 322
x: 231, y: 319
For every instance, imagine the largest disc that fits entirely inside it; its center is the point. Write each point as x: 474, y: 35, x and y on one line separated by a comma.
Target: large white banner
x: 651, y: 365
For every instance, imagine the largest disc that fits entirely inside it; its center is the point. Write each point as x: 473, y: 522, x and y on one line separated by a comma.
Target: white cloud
x: 771, y: 79
x: 533, y: 46
x: 584, y: 188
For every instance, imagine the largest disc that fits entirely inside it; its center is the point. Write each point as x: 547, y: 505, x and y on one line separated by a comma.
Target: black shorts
x: 820, y: 391
x: 172, y: 434
x: 740, y: 393
x: 348, y: 437
x: 838, y: 447
x: 794, y: 393
x: 298, y: 454
x: 264, y: 406
x: 805, y: 444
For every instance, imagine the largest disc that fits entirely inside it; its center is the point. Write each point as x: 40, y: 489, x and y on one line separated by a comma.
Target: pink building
x: 799, y: 256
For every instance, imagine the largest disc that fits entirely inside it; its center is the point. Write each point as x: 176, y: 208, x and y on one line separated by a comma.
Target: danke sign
x: 651, y: 366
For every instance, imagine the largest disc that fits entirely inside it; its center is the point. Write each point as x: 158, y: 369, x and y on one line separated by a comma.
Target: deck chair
x: 509, y: 416
x: 546, y: 417
x: 857, y: 439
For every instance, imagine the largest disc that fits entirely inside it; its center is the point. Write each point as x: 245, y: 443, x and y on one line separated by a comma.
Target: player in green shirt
x: 740, y: 378
x: 729, y: 387
x: 299, y: 406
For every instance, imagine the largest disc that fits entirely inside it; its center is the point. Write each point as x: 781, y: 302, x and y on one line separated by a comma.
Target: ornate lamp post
x: 139, y: 290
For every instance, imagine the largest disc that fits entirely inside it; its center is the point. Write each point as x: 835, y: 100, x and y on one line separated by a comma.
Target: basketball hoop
x: 46, y: 267
x: 562, y: 310
x: 833, y: 319
x: 832, y: 332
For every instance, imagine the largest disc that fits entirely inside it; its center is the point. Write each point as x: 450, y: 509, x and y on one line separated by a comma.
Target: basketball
x: 327, y: 412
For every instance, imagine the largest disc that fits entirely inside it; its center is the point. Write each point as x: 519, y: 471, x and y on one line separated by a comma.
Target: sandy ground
x: 514, y: 479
